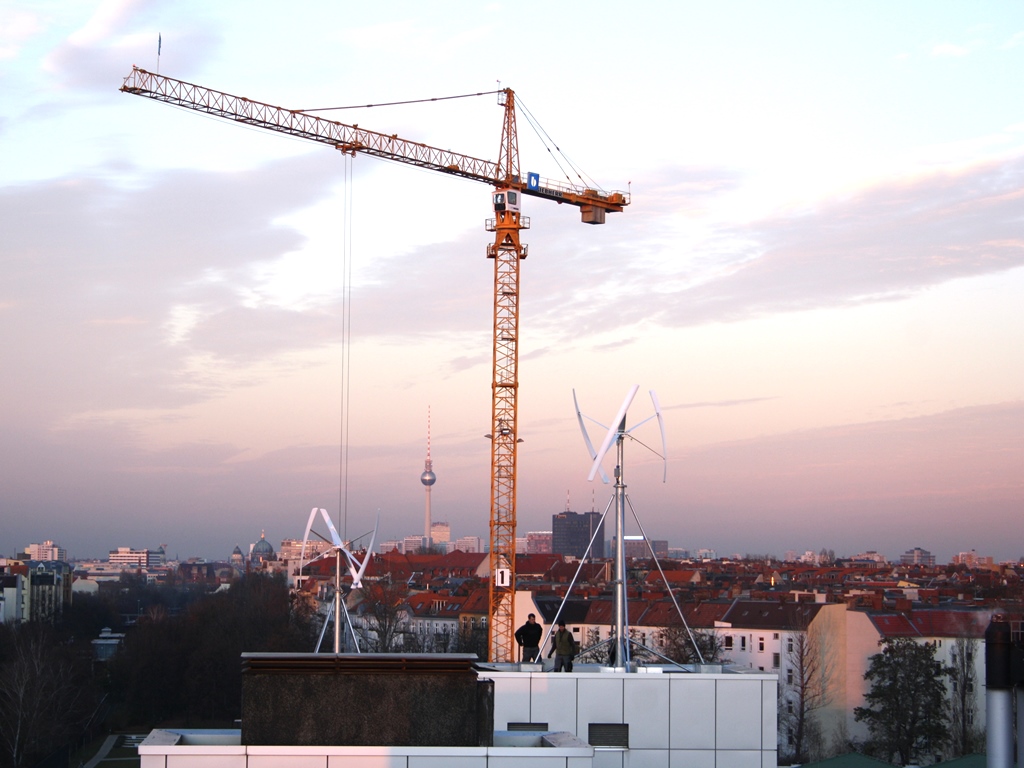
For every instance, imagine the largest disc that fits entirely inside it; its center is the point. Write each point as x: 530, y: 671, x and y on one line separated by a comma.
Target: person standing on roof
x: 528, y: 637
x: 563, y: 646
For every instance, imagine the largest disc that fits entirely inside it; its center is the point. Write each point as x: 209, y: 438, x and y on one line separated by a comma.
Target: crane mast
x: 507, y: 251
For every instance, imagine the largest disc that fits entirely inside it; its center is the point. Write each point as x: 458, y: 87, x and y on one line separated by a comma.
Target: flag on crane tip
x: 159, y: 43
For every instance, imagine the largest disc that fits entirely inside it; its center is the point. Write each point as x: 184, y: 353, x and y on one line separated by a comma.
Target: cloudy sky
x: 819, y: 274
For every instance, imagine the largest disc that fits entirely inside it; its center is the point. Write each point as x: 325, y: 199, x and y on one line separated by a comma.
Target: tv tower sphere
x: 428, y: 477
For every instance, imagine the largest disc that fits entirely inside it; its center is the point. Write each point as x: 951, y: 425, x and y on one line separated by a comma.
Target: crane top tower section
x: 593, y: 204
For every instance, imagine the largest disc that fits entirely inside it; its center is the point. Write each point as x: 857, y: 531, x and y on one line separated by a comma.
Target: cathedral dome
x: 262, y: 551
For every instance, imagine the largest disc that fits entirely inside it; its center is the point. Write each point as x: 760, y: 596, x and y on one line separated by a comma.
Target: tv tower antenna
x: 428, y: 478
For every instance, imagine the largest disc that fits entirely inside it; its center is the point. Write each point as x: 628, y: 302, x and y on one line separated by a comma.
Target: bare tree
x: 676, y: 643
x: 41, y: 701
x: 965, y: 738
x: 805, y: 687
x: 383, y: 614
x: 471, y: 638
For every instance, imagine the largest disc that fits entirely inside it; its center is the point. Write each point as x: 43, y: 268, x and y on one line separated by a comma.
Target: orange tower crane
x: 506, y: 250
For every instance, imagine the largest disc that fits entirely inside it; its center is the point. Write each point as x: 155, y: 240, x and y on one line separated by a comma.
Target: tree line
x: 180, y: 662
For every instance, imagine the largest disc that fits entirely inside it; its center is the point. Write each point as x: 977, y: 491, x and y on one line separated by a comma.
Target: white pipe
x: 1020, y: 720
x: 999, y: 730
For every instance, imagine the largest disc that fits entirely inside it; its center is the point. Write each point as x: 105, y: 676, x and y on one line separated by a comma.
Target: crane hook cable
x: 346, y: 345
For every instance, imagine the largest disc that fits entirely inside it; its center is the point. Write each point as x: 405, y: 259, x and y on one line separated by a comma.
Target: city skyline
x: 671, y: 550
x: 819, y: 273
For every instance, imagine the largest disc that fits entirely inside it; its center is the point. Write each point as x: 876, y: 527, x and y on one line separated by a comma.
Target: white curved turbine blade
x: 334, y: 531
x: 664, y: 445
x: 305, y: 537
x: 586, y: 437
x: 612, y: 431
x: 373, y: 536
x: 357, y: 573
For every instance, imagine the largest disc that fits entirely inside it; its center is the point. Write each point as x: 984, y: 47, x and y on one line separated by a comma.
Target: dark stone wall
x: 365, y: 700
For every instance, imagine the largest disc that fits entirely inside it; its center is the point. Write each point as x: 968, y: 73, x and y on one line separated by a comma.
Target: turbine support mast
x: 621, y: 640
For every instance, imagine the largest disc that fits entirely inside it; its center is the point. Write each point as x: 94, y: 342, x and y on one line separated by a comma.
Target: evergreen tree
x: 906, y: 706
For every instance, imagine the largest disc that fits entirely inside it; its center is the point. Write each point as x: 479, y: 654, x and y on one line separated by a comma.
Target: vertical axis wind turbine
x: 356, y: 570
x: 617, y: 434
x: 506, y: 250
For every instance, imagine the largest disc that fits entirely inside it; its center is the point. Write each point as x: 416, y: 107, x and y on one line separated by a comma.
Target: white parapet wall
x: 672, y: 719
x: 183, y: 748
x: 652, y: 718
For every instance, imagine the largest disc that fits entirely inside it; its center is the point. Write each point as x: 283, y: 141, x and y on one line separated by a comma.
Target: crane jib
x: 352, y: 139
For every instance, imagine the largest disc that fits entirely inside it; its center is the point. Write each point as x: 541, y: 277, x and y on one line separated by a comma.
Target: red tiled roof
x: 662, y: 613
x: 471, y: 560
x: 441, y: 606
x: 478, y: 601
x: 929, y: 622
x: 772, y: 615
x: 603, y: 611
x: 894, y: 625
x: 562, y: 571
x: 535, y: 565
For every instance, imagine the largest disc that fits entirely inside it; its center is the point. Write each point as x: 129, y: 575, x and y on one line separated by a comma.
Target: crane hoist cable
x: 400, y: 103
x: 346, y: 344
x: 546, y: 140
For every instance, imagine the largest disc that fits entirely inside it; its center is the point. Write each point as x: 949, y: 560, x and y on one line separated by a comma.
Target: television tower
x: 428, y: 478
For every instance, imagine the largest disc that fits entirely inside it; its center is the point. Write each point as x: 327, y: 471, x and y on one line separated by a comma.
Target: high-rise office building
x: 47, y: 551
x: 538, y: 543
x: 469, y: 544
x: 637, y: 547
x: 414, y: 545
x: 571, y: 532
x: 918, y: 556
x: 440, y: 533
x: 139, y: 558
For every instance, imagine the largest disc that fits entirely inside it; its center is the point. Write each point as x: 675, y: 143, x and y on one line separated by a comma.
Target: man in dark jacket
x: 528, y: 637
x: 563, y: 646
